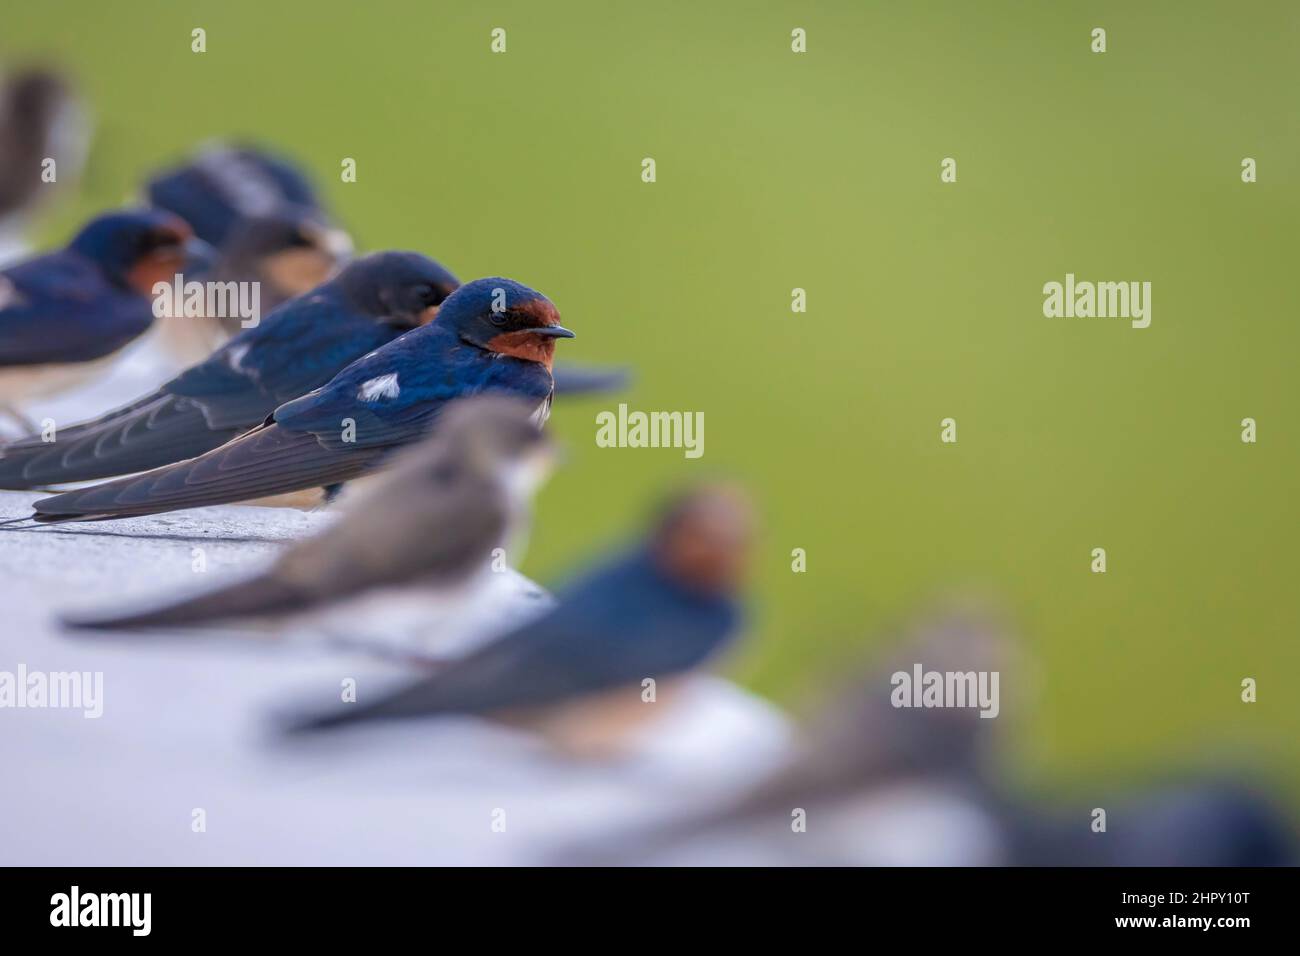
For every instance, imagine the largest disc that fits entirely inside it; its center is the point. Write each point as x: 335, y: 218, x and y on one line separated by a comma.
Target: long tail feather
x: 261, y: 596
x: 266, y: 461
x: 146, y: 435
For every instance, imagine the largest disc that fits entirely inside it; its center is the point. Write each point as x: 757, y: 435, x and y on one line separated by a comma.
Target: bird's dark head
x: 293, y: 248
x: 703, y: 539
x: 403, y: 289
x: 33, y: 101
x: 505, y: 317
x: 138, y: 248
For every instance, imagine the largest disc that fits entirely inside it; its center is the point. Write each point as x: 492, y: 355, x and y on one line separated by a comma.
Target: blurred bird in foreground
x: 430, y: 524
x: 876, y: 783
x: 1210, y: 817
x: 41, y: 120
x: 296, y: 348
x: 608, y: 656
x: 872, y: 783
x: 262, y: 214
x: 491, y: 335
x: 64, y: 313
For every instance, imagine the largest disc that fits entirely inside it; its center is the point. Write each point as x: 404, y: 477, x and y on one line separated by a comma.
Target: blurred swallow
x: 877, y: 784
x: 431, y: 522
x: 225, y: 185
x: 491, y: 335
x: 40, y: 119
x: 263, y: 215
x: 1223, y: 815
x: 287, y: 253
x: 656, y: 612
x: 296, y: 348
x: 62, y: 312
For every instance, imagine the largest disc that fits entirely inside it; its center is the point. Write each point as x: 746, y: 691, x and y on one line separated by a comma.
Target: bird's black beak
x: 552, y: 331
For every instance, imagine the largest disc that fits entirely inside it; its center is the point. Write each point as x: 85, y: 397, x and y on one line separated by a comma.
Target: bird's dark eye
x: 499, y: 318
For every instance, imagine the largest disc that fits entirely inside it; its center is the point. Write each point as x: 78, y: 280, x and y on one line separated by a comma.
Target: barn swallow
x: 656, y: 611
x: 40, y: 120
x: 868, y: 776
x: 491, y: 335
x: 431, y: 522
x: 224, y: 185
x: 287, y: 252
x: 296, y: 348
x: 62, y: 312
x: 261, y: 212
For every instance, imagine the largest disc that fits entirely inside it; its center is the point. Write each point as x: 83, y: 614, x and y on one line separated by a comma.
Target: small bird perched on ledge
x: 62, y: 313
x: 263, y: 215
x: 492, y: 335
x: 578, y: 674
x: 288, y: 253
x: 296, y: 348
x: 430, y: 523
x: 224, y: 186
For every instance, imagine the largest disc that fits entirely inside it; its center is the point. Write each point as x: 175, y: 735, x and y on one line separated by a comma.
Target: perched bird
x: 226, y: 185
x: 654, y: 613
x: 430, y: 523
x: 1219, y: 816
x: 287, y: 252
x: 61, y: 313
x: 41, y: 121
x: 296, y: 348
x: 226, y: 191
x: 262, y: 214
x: 872, y: 782
x: 491, y: 335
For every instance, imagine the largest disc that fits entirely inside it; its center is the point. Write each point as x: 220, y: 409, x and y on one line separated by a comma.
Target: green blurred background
x: 821, y: 171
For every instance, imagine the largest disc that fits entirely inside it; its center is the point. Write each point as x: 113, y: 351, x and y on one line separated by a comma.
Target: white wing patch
x: 235, y: 357
x: 8, y: 294
x: 385, y: 386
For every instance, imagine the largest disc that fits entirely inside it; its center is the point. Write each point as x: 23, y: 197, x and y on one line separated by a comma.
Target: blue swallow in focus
x: 296, y: 348
x: 656, y: 612
x: 62, y: 312
x: 229, y: 193
x: 491, y: 335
